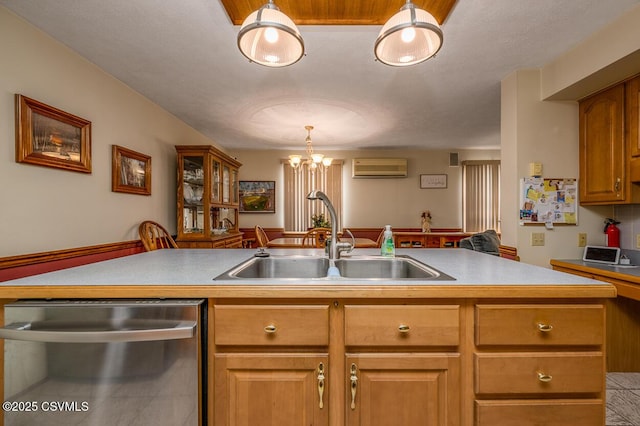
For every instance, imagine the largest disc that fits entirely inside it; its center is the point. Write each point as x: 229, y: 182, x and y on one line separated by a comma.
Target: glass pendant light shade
x: 409, y: 37
x: 270, y: 38
x: 295, y: 160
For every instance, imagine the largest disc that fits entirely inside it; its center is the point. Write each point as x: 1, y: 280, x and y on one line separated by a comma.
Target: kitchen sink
x: 279, y: 267
x: 399, y: 268
x: 392, y: 268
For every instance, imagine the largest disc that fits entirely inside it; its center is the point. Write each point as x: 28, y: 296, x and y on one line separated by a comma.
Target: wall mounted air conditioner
x: 379, y: 168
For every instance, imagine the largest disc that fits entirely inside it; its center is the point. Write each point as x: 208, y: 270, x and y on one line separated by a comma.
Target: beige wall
x: 373, y: 202
x: 48, y: 209
x: 546, y: 131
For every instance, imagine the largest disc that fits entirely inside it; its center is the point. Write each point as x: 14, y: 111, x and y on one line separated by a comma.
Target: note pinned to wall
x: 548, y: 201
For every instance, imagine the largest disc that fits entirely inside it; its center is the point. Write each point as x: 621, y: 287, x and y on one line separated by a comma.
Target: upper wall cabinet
x: 207, y: 202
x: 632, y: 105
x: 608, y: 146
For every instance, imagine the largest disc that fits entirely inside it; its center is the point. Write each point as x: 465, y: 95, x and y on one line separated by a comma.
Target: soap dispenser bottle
x: 388, y: 248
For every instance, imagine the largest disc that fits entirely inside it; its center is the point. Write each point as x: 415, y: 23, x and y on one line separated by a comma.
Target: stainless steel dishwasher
x: 104, y: 362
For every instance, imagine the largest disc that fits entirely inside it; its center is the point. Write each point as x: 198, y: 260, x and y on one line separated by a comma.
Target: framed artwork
x: 130, y: 171
x: 433, y: 181
x: 257, y: 196
x: 47, y: 136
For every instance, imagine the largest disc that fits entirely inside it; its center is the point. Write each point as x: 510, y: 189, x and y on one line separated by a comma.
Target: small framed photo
x: 257, y: 196
x: 47, y: 136
x: 130, y: 171
x: 433, y: 181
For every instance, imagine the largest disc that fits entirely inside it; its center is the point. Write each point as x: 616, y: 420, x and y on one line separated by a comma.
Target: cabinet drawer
x: 405, y: 325
x: 539, y: 325
x: 589, y: 412
x: 543, y: 373
x: 279, y: 325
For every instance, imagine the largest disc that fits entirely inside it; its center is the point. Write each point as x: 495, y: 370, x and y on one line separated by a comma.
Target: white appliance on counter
x: 104, y: 362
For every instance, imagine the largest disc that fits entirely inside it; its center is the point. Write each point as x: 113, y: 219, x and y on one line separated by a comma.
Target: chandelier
x: 313, y: 160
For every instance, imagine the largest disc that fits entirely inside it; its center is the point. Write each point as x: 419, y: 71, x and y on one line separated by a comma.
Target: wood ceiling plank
x: 337, y: 12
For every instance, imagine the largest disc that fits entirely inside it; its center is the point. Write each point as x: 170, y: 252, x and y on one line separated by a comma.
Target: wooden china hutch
x: 208, y: 198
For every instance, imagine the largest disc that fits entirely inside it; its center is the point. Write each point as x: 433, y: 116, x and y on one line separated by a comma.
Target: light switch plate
x: 537, y: 238
x: 582, y: 239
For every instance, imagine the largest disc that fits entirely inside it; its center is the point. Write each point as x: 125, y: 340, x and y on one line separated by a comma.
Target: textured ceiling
x: 183, y: 56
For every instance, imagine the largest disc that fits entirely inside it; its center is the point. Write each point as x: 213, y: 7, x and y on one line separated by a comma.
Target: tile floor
x: 623, y: 399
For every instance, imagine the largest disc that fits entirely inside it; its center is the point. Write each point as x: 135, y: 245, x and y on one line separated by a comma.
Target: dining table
x: 296, y: 242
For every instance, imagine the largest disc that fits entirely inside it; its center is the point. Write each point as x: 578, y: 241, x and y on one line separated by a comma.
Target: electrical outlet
x: 537, y: 238
x: 582, y: 239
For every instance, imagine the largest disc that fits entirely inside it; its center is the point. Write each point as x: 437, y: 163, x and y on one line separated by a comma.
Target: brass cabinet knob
x: 403, y: 328
x: 545, y: 378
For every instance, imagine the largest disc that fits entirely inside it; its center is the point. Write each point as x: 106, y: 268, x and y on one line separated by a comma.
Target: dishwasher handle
x: 144, y: 333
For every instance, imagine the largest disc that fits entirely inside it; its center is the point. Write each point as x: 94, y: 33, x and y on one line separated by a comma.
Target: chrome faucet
x: 335, y: 247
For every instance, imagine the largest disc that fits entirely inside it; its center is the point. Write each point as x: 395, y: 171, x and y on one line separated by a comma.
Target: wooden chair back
x: 261, y: 236
x: 316, y: 237
x: 509, y: 252
x: 155, y: 237
x: 379, y: 239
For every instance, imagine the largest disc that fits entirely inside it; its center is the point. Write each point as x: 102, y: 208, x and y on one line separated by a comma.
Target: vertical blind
x: 302, y: 180
x: 481, y: 195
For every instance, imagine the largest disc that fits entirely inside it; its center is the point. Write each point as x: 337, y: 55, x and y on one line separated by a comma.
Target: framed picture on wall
x: 257, y: 196
x: 130, y: 171
x: 433, y: 181
x: 47, y: 136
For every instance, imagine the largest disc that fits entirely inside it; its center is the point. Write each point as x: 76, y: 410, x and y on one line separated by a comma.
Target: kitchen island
x: 503, y: 343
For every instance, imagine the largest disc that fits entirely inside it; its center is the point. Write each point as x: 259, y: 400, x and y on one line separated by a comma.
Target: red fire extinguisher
x: 612, y: 232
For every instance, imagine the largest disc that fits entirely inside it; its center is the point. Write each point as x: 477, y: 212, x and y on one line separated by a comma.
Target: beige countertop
x: 191, y: 272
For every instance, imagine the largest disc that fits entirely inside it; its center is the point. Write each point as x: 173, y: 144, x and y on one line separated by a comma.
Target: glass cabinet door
x: 226, y: 188
x: 216, y: 171
x: 234, y: 186
x: 192, y: 194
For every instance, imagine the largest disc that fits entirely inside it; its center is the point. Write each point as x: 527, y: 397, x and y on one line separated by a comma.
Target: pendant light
x: 409, y: 37
x: 313, y: 160
x: 269, y: 37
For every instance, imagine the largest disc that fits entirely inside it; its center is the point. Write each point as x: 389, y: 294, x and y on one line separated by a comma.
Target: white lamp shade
x: 270, y: 38
x: 295, y: 160
x: 404, y: 41
x: 317, y: 158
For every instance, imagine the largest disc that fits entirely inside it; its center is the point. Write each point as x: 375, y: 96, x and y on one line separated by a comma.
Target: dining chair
x: 379, y: 239
x: 316, y: 237
x: 155, y: 237
x: 261, y: 236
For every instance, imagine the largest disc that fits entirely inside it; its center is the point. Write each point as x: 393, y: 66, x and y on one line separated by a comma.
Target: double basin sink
x: 299, y: 267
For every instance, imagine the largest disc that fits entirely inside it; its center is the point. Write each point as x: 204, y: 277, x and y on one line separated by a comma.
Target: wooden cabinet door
x: 602, y: 154
x: 632, y: 112
x: 403, y: 389
x: 270, y: 389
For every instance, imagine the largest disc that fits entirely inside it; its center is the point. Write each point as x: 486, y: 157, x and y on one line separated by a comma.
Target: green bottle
x: 388, y: 248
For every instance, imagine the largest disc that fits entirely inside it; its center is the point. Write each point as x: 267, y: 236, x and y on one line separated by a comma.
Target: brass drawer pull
x: 403, y: 328
x: 354, y: 385
x: 545, y: 378
x: 321, y: 384
x: 270, y: 329
x: 545, y: 328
